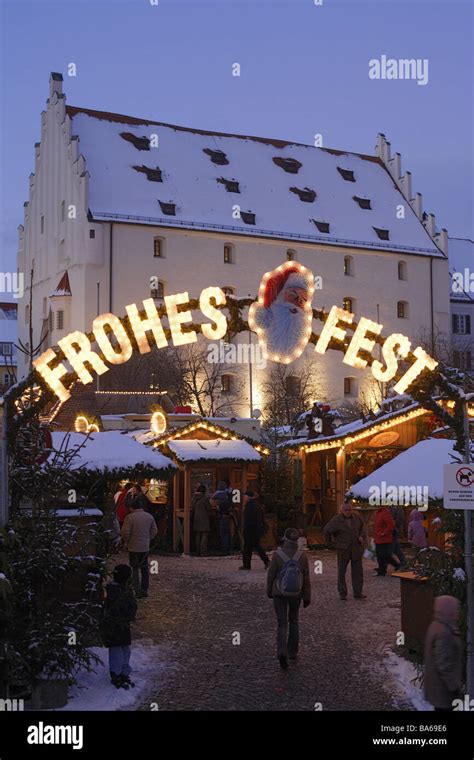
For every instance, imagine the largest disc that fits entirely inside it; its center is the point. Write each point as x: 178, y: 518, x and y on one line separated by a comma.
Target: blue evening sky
x: 304, y: 70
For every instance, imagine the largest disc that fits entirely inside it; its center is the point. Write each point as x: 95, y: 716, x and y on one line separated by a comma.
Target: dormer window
x: 289, y: 165
x: 322, y: 226
x: 153, y: 175
x: 382, y: 234
x: 230, y: 185
x: 346, y: 174
x: 248, y: 217
x: 217, y: 156
x: 363, y: 202
x: 140, y: 143
x: 306, y: 195
x: 168, y: 209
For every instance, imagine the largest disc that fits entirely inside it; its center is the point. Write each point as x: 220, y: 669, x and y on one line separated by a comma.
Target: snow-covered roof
x: 111, y: 450
x: 193, y: 450
x: 191, y: 169
x: 461, y: 257
x: 421, y: 465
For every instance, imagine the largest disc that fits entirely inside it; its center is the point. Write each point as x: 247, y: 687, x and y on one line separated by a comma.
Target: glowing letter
x: 209, y: 331
x: 51, y: 376
x: 397, y: 346
x: 423, y: 361
x: 104, y: 343
x: 177, y: 318
x: 141, y: 326
x: 77, y: 358
x: 360, y: 341
x: 331, y: 330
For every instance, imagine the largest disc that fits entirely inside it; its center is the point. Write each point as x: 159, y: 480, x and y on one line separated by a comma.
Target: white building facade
x: 461, y: 263
x: 115, y: 201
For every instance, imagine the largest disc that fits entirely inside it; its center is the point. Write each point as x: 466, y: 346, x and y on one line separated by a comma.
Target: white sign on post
x: 459, y: 486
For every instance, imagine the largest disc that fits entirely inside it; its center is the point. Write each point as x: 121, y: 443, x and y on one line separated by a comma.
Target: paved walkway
x: 199, y: 608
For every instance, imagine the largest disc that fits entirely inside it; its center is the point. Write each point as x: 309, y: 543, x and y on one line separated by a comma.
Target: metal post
x: 250, y: 373
x: 468, y: 514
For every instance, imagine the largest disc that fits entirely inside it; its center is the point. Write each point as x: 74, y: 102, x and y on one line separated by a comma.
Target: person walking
x: 201, y: 508
x: 443, y: 655
x: 398, y: 514
x: 121, y: 507
x: 346, y: 531
x: 120, y: 608
x: 138, y: 530
x: 253, y: 530
x: 416, y: 530
x: 223, y: 501
x: 288, y: 583
x: 384, y: 525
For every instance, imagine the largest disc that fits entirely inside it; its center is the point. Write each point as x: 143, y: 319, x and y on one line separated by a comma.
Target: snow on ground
x: 406, y: 682
x: 94, y: 692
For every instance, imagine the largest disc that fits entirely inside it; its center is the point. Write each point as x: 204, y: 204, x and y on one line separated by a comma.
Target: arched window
x: 348, y: 304
x: 157, y: 290
x: 402, y: 270
x: 349, y: 266
x: 402, y: 310
x: 158, y: 248
x: 229, y: 255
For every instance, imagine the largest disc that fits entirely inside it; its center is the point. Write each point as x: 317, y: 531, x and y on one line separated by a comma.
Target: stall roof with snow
x: 217, y: 450
x: 284, y: 189
x: 421, y: 465
x: 109, y: 452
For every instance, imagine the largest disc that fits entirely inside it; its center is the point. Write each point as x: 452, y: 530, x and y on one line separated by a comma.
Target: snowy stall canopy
x: 213, y: 450
x: 421, y: 465
x: 283, y: 189
x: 111, y: 452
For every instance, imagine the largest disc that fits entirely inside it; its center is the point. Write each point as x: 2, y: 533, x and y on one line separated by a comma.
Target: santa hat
x: 289, y: 277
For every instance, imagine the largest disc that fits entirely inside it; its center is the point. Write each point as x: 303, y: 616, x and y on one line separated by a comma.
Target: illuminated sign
x: 281, y: 317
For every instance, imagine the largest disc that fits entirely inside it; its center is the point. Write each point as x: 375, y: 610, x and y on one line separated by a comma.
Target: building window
x: 159, y: 291
x: 304, y: 194
x: 226, y: 383
x: 42, y: 223
x: 158, y: 248
x: 63, y: 211
x: 60, y: 319
x: 402, y: 270
x: 51, y: 321
x: 348, y: 266
x: 292, y: 385
x: 217, y: 156
x: 248, y: 217
x: 228, y: 254
x: 350, y: 386
x: 231, y: 185
x: 346, y: 174
x: 402, y: 310
x: 6, y: 349
x: 290, y: 255
x: 463, y: 360
x: 348, y: 304
x: 381, y: 233
x: 322, y: 226
x: 27, y: 314
x: 363, y: 202
x: 461, y: 324
x: 289, y: 165
x: 7, y: 380
x: 92, y: 234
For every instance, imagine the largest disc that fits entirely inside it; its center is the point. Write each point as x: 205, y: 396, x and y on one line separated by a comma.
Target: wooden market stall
x: 205, y: 454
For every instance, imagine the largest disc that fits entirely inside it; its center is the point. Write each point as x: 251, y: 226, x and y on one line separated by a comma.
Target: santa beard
x: 285, y: 330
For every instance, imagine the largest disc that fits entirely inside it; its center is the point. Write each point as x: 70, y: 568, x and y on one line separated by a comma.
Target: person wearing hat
x: 288, y: 582
x: 120, y: 608
x: 253, y: 530
x: 346, y: 532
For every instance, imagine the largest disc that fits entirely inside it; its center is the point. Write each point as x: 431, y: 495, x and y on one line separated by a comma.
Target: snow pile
x: 406, y: 681
x: 94, y: 692
x: 111, y: 450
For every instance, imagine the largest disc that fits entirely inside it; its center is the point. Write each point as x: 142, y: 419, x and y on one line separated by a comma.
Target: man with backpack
x: 253, y: 530
x: 288, y: 582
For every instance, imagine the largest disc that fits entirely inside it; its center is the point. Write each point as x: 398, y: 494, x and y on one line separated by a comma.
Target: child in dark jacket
x: 120, y: 608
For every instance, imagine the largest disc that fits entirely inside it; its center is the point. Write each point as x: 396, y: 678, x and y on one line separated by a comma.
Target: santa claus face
x: 296, y: 296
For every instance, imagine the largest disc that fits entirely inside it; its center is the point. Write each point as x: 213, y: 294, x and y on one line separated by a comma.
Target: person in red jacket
x: 121, y: 507
x: 384, y: 526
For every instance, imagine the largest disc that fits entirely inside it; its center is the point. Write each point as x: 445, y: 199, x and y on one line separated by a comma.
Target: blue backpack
x: 290, y: 577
